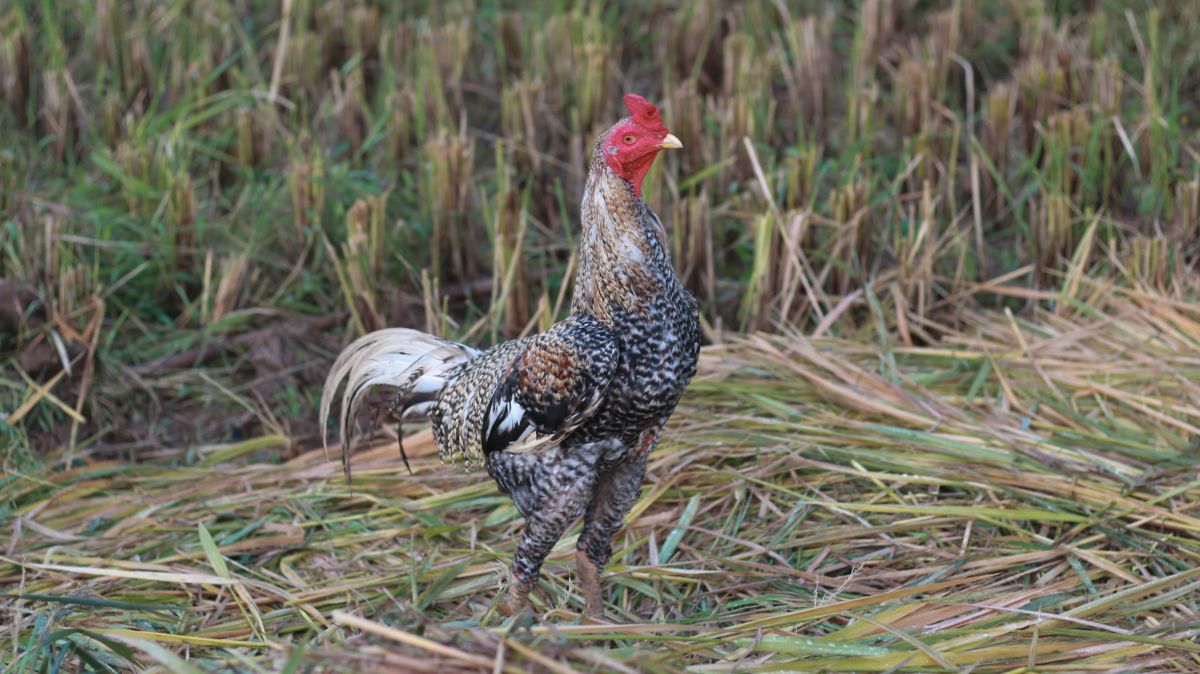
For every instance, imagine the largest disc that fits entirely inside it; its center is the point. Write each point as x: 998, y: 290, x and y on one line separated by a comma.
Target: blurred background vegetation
x: 201, y: 201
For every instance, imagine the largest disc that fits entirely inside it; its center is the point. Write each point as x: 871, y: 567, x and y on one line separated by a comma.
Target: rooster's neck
x: 623, y: 260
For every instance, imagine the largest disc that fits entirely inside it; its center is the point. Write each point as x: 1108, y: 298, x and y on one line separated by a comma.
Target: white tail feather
x: 410, y: 360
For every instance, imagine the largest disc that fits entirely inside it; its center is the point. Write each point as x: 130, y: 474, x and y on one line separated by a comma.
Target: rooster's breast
x: 659, y: 347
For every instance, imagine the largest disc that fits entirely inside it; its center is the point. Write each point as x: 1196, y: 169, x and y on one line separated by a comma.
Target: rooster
x: 563, y: 421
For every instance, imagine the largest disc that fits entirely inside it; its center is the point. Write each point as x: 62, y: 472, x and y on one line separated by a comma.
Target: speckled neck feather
x: 623, y: 255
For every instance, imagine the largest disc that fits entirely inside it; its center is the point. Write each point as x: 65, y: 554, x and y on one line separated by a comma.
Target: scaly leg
x: 553, y: 494
x: 614, y: 494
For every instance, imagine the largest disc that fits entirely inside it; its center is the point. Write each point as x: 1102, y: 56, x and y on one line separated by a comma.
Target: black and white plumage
x: 556, y: 382
x: 564, y: 420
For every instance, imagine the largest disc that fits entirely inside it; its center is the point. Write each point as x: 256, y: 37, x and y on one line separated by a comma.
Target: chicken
x: 563, y: 421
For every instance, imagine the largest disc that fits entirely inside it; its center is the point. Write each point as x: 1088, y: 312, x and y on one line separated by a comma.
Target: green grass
x: 946, y: 254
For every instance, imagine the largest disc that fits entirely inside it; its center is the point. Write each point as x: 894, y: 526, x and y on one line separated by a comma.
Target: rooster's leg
x: 555, y: 494
x: 614, y: 494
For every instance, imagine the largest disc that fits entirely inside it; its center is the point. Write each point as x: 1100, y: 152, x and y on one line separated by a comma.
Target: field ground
x: 946, y: 253
x: 1022, y: 497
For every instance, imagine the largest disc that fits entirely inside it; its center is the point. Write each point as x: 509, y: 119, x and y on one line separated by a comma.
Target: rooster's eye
x: 629, y: 138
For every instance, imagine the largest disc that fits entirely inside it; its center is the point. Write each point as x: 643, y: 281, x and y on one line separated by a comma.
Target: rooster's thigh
x: 514, y: 473
x: 615, y: 492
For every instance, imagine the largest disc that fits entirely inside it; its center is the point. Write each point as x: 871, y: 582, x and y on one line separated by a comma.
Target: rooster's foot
x: 517, y: 600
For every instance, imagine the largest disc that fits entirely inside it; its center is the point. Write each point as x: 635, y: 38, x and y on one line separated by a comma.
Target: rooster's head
x: 632, y: 144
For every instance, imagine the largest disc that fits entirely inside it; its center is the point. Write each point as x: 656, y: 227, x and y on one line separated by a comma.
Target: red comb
x: 644, y: 113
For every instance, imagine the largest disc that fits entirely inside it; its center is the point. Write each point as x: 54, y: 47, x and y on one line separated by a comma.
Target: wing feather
x: 527, y: 394
x: 553, y: 386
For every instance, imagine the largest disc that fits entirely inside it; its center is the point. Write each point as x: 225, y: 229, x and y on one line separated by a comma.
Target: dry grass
x: 1022, y: 495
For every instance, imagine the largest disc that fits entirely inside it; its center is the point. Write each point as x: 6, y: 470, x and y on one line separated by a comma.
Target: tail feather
x: 412, y: 362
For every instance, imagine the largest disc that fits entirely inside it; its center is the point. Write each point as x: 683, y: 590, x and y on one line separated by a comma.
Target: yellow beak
x: 671, y: 142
